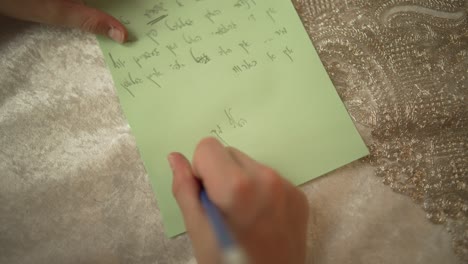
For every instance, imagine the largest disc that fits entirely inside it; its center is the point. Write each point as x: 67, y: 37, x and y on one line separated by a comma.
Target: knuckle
x: 231, y: 149
x: 275, y: 186
x: 207, y: 143
x: 272, y: 178
x: 242, y: 191
x: 90, y: 23
x: 240, y: 186
x: 269, y: 172
x: 93, y: 22
x: 203, y: 147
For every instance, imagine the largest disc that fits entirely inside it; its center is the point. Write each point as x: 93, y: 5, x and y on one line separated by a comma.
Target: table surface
x: 73, y: 188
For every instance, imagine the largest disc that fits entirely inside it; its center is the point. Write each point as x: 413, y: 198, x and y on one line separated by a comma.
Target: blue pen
x: 232, y: 254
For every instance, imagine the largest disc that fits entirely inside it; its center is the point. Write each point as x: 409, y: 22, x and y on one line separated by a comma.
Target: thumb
x: 184, y: 186
x: 76, y: 14
x: 186, y: 191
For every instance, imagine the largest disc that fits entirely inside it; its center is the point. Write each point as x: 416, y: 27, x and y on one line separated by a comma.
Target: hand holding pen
x: 247, y: 207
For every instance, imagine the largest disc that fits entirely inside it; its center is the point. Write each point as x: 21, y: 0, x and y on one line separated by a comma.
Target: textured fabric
x: 402, y: 69
x: 74, y: 190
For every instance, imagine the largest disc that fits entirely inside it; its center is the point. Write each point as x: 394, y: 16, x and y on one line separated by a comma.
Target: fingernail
x: 171, y: 160
x: 116, y: 35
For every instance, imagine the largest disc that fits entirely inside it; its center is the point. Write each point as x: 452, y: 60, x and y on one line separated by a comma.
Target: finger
x: 219, y: 172
x: 225, y: 181
x: 258, y: 173
x: 186, y: 192
x: 246, y: 162
x: 270, y: 186
x: 74, y: 14
x: 184, y: 186
x: 263, y: 175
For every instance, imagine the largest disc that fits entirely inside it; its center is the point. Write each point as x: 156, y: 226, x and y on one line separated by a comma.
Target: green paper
x: 243, y: 71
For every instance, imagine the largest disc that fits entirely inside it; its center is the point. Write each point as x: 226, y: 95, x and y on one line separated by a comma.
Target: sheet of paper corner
x: 244, y: 71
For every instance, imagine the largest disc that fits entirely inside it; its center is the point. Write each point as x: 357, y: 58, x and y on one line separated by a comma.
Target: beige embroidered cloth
x: 74, y: 190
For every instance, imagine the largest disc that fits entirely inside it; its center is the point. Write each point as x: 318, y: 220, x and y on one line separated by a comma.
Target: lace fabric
x: 401, y: 68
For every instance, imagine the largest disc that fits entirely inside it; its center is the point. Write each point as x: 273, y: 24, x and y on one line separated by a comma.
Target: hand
x: 266, y: 214
x: 71, y: 13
